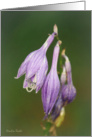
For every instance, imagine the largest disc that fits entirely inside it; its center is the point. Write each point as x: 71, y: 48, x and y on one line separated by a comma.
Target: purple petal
x: 55, y: 56
x: 51, y: 86
x: 50, y: 91
x: 41, y: 74
x: 34, y: 64
x: 44, y: 92
x: 48, y: 42
x: 22, y: 69
x: 55, y: 92
x: 57, y: 108
x: 68, y: 93
x: 32, y: 78
x: 69, y: 77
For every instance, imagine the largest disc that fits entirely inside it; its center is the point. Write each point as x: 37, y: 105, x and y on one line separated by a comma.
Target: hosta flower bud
x: 51, y: 85
x: 68, y: 90
x: 68, y: 93
x: 67, y: 62
x: 63, y: 76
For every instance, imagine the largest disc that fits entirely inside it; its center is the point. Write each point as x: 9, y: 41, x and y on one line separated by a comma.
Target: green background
x: 25, y: 31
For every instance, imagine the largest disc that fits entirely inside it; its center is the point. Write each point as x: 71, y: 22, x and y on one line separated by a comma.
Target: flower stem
x: 60, y: 60
x: 49, y: 128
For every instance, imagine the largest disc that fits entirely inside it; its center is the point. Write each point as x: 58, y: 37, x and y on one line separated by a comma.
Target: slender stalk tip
x: 63, y: 52
x: 59, y: 42
x: 55, y: 29
x: 15, y: 78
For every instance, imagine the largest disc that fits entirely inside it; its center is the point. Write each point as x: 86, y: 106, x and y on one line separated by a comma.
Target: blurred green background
x: 25, y: 31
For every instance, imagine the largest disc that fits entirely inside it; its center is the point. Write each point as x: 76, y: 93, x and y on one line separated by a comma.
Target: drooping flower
x: 51, y: 85
x: 68, y: 90
x: 35, y: 66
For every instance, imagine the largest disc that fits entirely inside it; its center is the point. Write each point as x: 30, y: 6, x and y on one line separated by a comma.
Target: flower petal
x: 55, y: 92
x: 50, y: 91
x: 57, y: 108
x: 41, y: 74
x: 22, y: 69
x: 68, y: 93
x: 34, y: 64
x: 44, y: 92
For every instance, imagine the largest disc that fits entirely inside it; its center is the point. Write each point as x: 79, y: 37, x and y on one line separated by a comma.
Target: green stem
x: 60, y: 60
x: 49, y: 129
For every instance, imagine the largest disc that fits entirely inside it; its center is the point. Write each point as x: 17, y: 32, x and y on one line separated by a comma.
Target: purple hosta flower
x: 51, y: 86
x: 68, y: 90
x: 35, y: 66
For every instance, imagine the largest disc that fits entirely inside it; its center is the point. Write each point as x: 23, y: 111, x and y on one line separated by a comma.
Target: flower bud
x: 67, y: 62
x: 68, y: 93
x: 63, y: 76
x: 55, y: 29
x: 51, y: 87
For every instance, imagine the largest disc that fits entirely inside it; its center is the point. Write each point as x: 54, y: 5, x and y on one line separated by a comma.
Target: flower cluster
x: 67, y: 92
x: 55, y: 93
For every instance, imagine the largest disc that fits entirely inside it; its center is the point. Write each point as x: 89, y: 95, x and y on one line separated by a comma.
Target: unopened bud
x: 67, y: 62
x: 63, y: 76
x: 59, y: 42
x: 55, y: 29
x: 63, y: 52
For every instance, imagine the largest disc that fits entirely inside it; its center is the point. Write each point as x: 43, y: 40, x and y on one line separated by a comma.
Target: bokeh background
x: 25, y: 31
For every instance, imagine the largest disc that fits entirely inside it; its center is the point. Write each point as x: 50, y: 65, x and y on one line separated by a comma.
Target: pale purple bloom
x: 51, y: 85
x: 35, y: 66
x: 68, y: 90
